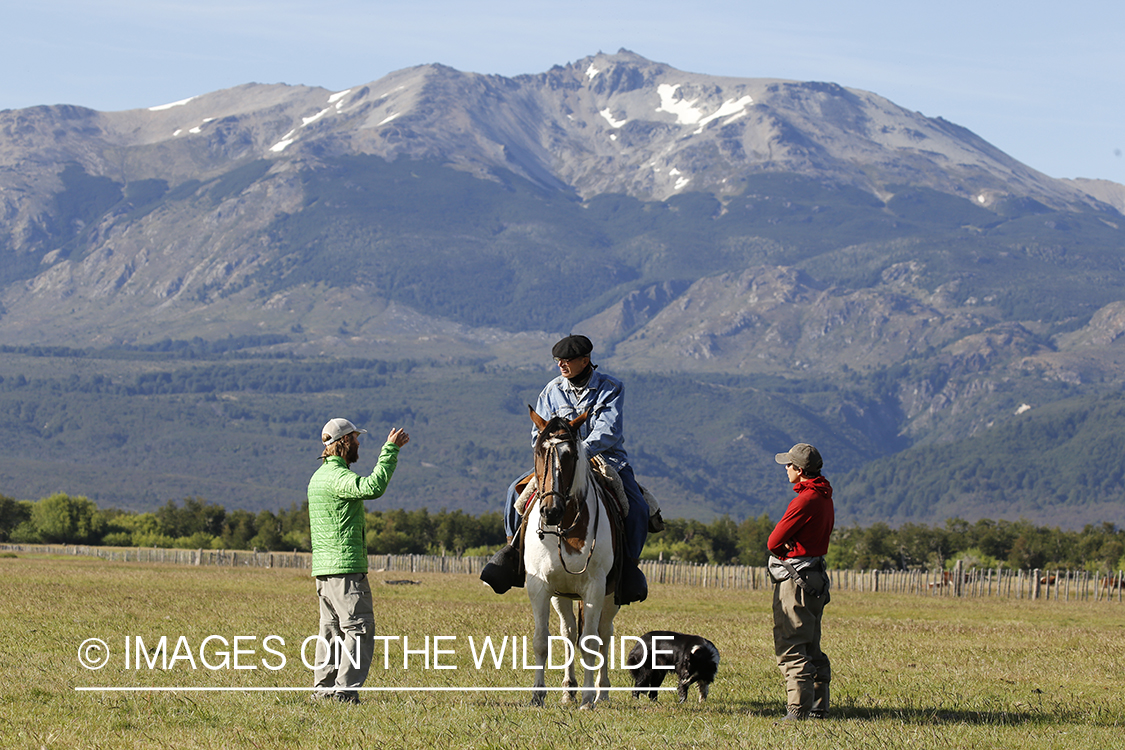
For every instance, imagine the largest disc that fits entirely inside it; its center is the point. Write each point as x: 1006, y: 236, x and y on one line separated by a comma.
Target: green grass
x: 908, y: 671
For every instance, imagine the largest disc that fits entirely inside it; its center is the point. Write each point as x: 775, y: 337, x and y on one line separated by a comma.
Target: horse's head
x: 559, y: 465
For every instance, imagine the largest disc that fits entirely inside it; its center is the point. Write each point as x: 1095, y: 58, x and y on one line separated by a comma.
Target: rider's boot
x: 503, y: 571
x: 632, y: 587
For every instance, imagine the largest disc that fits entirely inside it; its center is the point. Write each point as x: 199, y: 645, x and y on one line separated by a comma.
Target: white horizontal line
x: 362, y: 689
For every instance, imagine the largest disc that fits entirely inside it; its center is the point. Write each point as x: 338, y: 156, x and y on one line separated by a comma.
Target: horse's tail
x: 581, y: 617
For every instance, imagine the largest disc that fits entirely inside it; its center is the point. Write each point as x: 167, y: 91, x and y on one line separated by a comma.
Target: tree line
x: 267, y: 376
x: 911, y: 546
x: 196, y: 523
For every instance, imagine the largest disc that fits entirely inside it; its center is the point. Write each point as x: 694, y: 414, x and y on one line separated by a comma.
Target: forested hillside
x: 135, y: 429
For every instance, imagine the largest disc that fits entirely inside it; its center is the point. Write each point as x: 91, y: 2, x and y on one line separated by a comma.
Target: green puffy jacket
x: 337, y: 518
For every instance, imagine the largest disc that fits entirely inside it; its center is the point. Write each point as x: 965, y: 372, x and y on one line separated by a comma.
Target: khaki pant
x: 796, y: 639
x: 347, y: 627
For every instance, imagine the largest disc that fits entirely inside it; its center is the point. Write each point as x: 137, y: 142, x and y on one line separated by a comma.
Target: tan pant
x: 796, y: 639
x: 347, y: 626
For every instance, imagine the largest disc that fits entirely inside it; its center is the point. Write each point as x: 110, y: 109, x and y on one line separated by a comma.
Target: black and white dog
x: 692, y: 657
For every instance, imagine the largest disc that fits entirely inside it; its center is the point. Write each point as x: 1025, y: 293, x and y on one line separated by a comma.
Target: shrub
x: 64, y: 519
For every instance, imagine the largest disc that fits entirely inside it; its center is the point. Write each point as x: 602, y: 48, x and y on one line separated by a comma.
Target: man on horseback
x: 580, y: 388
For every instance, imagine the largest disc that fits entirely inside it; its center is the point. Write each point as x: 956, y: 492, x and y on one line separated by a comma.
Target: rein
x: 562, y: 533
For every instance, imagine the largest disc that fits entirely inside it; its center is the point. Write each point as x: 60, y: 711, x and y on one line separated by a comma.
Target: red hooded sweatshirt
x: 807, y: 522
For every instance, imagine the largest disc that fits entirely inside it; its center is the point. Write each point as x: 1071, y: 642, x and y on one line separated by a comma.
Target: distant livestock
x: 948, y: 579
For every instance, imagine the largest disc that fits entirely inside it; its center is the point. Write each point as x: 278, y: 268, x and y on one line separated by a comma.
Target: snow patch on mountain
x: 733, y: 109
x: 608, y: 115
x: 162, y: 107
x: 306, y: 121
x: 687, y: 113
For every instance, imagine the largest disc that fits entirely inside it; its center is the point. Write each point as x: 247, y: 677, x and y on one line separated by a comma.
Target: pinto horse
x: 568, y: 552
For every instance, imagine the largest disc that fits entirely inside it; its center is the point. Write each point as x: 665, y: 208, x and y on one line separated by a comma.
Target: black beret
x: 572, y: 346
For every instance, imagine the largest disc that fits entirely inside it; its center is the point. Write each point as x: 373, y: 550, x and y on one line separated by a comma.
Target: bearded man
x: 338, y: 525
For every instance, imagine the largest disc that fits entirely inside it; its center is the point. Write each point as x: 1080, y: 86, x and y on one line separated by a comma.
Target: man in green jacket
x: 338, y: 525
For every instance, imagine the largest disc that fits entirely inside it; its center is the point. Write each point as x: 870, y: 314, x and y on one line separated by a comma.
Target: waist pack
x: 798, y: 569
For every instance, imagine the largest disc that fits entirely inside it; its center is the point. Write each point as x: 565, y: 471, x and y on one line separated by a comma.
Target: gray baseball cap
x: 803, y: 456
x: 338, y: 428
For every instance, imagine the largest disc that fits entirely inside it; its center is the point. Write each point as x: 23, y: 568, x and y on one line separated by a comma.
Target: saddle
x: 616, y: 510
x: 609, y: 480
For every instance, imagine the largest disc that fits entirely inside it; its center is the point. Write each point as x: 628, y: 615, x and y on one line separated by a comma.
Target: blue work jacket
x: 604, y: 398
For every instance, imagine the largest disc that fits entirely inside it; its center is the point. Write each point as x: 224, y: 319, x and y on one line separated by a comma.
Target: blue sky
x: 1043, y: 81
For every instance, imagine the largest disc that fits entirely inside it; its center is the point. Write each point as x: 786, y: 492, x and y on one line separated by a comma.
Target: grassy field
x: 908, y: 671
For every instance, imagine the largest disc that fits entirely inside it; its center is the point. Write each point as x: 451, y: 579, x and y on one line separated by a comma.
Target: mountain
x: 902, y: 281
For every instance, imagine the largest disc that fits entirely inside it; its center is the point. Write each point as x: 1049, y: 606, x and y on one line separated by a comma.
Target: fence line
x: 1059, y: 585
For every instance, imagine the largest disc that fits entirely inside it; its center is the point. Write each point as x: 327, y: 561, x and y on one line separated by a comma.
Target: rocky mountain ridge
x: 606, y: 124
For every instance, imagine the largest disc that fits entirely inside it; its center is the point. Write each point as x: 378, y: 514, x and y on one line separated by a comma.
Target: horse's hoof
x: 537, y: 701
x: 586, y: 707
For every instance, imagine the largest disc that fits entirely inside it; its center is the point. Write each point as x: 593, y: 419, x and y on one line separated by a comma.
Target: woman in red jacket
x: 797, y: 547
